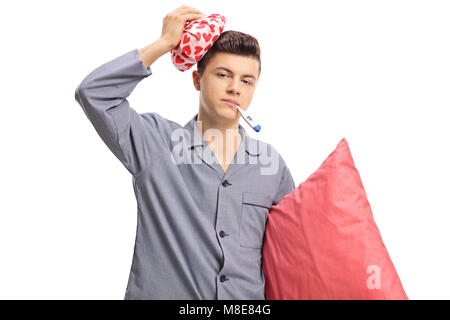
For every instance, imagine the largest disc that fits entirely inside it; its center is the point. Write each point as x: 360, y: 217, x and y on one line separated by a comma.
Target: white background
x: 374, y: 72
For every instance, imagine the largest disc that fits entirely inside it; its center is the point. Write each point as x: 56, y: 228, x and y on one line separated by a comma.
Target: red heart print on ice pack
x: 197, y: 38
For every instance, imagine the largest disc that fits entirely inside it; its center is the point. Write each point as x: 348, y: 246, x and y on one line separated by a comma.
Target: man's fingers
x: 197, y: 13
x: 190, y: 17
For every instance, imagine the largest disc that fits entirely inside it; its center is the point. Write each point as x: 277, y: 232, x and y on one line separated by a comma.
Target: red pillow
x: 321, y: 240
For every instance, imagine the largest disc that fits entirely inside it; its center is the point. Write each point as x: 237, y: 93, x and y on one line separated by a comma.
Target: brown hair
x: 232, y: 42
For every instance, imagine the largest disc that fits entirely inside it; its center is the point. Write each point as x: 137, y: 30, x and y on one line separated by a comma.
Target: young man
x: 201, y: 221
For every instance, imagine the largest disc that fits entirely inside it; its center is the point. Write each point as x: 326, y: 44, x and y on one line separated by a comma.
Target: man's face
x: 227, y: 76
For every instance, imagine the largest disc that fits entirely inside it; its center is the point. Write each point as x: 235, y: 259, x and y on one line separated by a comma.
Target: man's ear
x: 196, y: 79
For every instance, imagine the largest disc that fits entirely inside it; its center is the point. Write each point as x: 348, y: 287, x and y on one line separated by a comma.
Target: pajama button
x: 223, y: 278
x: 222, y: 234
x: 226, y: 183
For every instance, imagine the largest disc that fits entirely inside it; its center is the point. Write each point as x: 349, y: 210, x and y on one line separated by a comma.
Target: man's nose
x: 234, y: 86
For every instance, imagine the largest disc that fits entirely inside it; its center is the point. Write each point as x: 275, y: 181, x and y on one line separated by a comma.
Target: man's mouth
x: 231, y: 102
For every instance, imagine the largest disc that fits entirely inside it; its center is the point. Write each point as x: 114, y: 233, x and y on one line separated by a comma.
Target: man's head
x: 229, y: 70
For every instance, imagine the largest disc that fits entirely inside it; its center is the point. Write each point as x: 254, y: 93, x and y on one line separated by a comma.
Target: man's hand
x: 175, y: 22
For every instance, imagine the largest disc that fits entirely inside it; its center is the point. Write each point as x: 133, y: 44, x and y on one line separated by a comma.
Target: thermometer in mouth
x: 251, y: 122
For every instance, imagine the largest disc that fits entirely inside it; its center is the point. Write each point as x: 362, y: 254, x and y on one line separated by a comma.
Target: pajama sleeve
x: 132, y: 137
x: 287, y: 184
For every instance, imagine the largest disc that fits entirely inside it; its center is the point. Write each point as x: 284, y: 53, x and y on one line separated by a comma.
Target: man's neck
x: 225, y: 148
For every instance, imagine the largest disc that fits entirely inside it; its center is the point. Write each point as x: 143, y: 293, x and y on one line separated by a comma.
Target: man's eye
x: 245, y: 81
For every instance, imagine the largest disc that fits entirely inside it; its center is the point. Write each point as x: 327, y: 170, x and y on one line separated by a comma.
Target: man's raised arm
x: 132, y: 137
x: 103, y: 96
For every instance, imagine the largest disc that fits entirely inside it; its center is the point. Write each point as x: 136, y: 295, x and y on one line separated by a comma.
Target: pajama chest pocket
x: 255, y: 208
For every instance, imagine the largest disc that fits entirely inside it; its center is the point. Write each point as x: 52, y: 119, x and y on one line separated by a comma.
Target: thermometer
x: 250, y: 120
